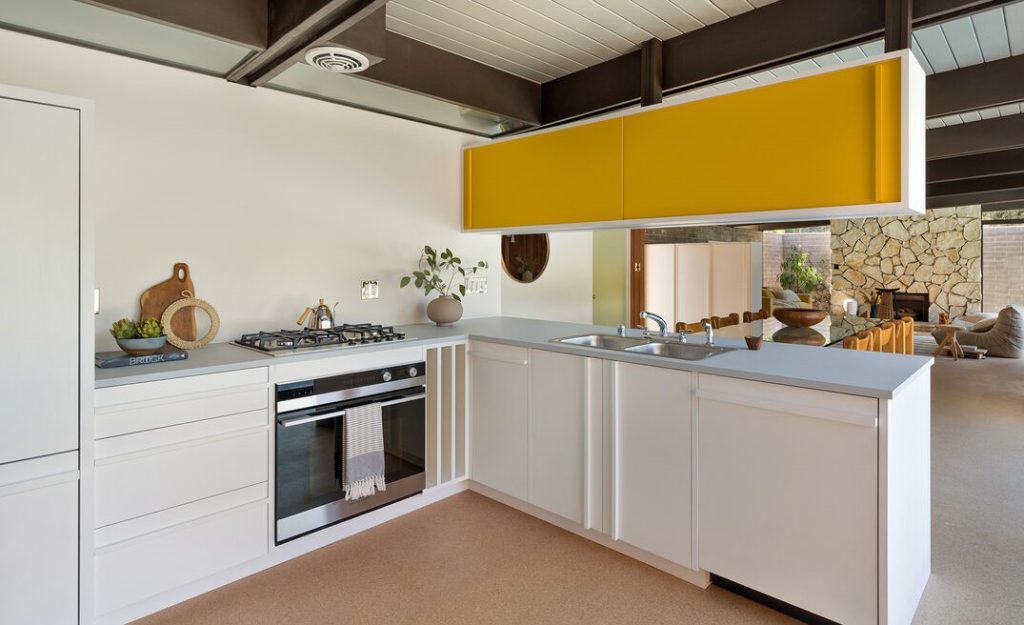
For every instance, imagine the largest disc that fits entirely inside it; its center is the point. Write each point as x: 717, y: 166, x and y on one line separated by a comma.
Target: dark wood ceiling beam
x: 898, y: 24
x: 430, y: 71
x: 975, y: 191
x: 1003, y: 206
x: 777, y: 33
x: 295, y: 34
x: 243, y: 22
x: 976, y: 87
x: 987, y: 135
x: 651, y: 72
x: 982, y: 165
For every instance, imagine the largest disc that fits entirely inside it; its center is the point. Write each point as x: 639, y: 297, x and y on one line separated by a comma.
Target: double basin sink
x: 664, y: 347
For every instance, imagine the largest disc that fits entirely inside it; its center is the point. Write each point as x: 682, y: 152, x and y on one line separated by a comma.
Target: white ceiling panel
x: 990, y: 30
x: 1014, y: 15
x: 544, y: 39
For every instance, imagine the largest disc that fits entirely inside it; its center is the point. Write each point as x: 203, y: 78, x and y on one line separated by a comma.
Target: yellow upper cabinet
x: 828, y: 140
x: 573, y: 175
x: 843, y: 142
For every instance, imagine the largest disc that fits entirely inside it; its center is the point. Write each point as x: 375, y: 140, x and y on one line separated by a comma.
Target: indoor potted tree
x: 444, y: 274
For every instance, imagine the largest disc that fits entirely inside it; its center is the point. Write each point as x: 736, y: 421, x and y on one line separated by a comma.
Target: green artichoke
x: 150, y: 328
x: 124, y: 329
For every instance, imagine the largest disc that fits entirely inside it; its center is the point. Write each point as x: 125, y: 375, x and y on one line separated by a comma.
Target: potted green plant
x: 139, y: 338
x: 445, y: 275
x: 798, y: 273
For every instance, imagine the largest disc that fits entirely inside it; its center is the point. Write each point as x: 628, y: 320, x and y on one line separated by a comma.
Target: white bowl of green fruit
x: 139, y: 338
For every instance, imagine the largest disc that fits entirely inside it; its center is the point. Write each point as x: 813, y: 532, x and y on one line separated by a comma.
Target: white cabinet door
x: 499, y: 422
x: 557, y: 432
x: 692, y: 282
x: 730, y: 278
x: 39, y: 552
x: 39, y: 276
x: 652, y: 504
x: 788, y: 494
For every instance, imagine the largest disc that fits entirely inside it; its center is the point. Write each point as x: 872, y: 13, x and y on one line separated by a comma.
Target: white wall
x: 273, y: 199
x: 564, y: 292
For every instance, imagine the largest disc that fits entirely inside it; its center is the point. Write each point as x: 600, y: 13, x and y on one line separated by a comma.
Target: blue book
x: 109, y: 360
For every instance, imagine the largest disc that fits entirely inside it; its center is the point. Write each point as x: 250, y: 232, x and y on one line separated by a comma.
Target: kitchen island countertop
x: 858, y: 373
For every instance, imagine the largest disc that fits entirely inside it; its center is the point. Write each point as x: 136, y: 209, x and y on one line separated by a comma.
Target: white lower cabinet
x: 139, y: 568
x: 651, y: 432
x: 39, y: 551
x: 558, y: 411
x: 605, y: 445
x: 499, y: 423
x: 788, y: 494
x: 181, y: 485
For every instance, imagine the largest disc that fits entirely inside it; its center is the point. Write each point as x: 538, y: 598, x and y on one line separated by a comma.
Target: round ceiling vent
x: 338, y: 60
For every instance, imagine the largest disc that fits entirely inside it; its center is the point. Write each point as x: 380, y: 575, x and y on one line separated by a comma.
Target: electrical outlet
x: 370, y: 290
x: 476, y: 284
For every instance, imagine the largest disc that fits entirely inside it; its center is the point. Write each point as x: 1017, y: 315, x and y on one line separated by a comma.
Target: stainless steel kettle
x: 320, y: 317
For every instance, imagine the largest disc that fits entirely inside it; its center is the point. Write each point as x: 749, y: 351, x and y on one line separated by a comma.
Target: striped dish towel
x: 363, y: 447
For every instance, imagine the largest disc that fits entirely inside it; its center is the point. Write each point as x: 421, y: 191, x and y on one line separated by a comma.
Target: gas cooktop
x: 308, y: 339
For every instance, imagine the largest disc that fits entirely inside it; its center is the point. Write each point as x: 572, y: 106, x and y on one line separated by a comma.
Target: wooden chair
x: 860, y: 342
x: 696, y: 326
x: 876, y: 338
x: 899, y: 341
x: 886, y: 338
x: 908, y: 335
x: 755, y: 316
x: 732, y: 319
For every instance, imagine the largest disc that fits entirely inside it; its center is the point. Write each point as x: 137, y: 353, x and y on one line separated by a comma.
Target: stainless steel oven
x: 310, y: 426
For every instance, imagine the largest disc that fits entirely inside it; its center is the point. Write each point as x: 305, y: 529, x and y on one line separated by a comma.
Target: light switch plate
x: 476, y: 284
x: 370, y: 290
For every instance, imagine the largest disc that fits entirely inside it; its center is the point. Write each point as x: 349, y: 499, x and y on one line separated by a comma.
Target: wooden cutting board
x: 155, y: 300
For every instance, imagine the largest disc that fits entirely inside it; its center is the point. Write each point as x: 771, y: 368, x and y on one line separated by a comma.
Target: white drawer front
x: 178, y: 386
x: 129, y: 572
x: 136, y: 484
x: 149, y: 415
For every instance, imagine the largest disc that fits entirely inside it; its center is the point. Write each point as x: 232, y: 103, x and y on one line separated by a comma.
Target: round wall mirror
x: 524, y: 256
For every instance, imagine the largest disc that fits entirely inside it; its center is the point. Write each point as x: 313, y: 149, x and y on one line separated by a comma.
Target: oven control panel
x: 348, y: 381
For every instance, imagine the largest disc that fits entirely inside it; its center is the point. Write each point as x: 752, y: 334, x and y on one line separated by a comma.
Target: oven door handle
x: 402, y: 400
x: 341, y: 413
x: 319, y: 417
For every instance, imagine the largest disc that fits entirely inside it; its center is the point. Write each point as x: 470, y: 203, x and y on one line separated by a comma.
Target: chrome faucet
x: 662, y: 324
x: 709, y: 333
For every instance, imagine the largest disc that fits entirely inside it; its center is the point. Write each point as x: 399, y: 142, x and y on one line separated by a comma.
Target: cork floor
x: 466, y: 560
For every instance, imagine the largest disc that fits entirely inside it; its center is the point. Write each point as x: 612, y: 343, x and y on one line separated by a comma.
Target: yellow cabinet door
x: 827, y: 140
x: 573, y: 175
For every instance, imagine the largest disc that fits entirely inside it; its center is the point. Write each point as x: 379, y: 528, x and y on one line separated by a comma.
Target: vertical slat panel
x: 433, y: 410
x: 447, y: 414
x: 460, y: 411
x: 594, y: 484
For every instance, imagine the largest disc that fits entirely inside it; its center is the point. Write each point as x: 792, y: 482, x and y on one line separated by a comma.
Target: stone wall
x: 1003, y: 266
x: 938, y: 253
x: 702, y: 234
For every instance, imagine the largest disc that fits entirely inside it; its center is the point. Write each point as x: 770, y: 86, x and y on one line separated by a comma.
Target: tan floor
x: 977, y: 494
x: 466, y: 560
x: 473, y: 561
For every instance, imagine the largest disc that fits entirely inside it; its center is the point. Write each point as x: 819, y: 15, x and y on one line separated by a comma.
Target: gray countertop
x: 828, y: 369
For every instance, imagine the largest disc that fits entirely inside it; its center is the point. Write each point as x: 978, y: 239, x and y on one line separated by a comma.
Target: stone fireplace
x: 936, y: 255
x: 913, y: 305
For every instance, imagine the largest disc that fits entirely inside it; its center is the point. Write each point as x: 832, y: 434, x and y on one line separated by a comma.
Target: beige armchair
x: 1004, y: 336
x: 772, y: 298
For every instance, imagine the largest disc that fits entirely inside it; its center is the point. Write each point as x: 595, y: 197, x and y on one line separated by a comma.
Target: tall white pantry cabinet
x: 46, y: 278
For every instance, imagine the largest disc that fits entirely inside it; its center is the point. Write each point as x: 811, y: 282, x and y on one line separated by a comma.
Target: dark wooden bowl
x: 799, y: 317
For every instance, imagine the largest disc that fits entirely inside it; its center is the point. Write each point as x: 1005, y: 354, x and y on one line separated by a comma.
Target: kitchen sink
x: 682, y: 351
x: 602, y: 341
